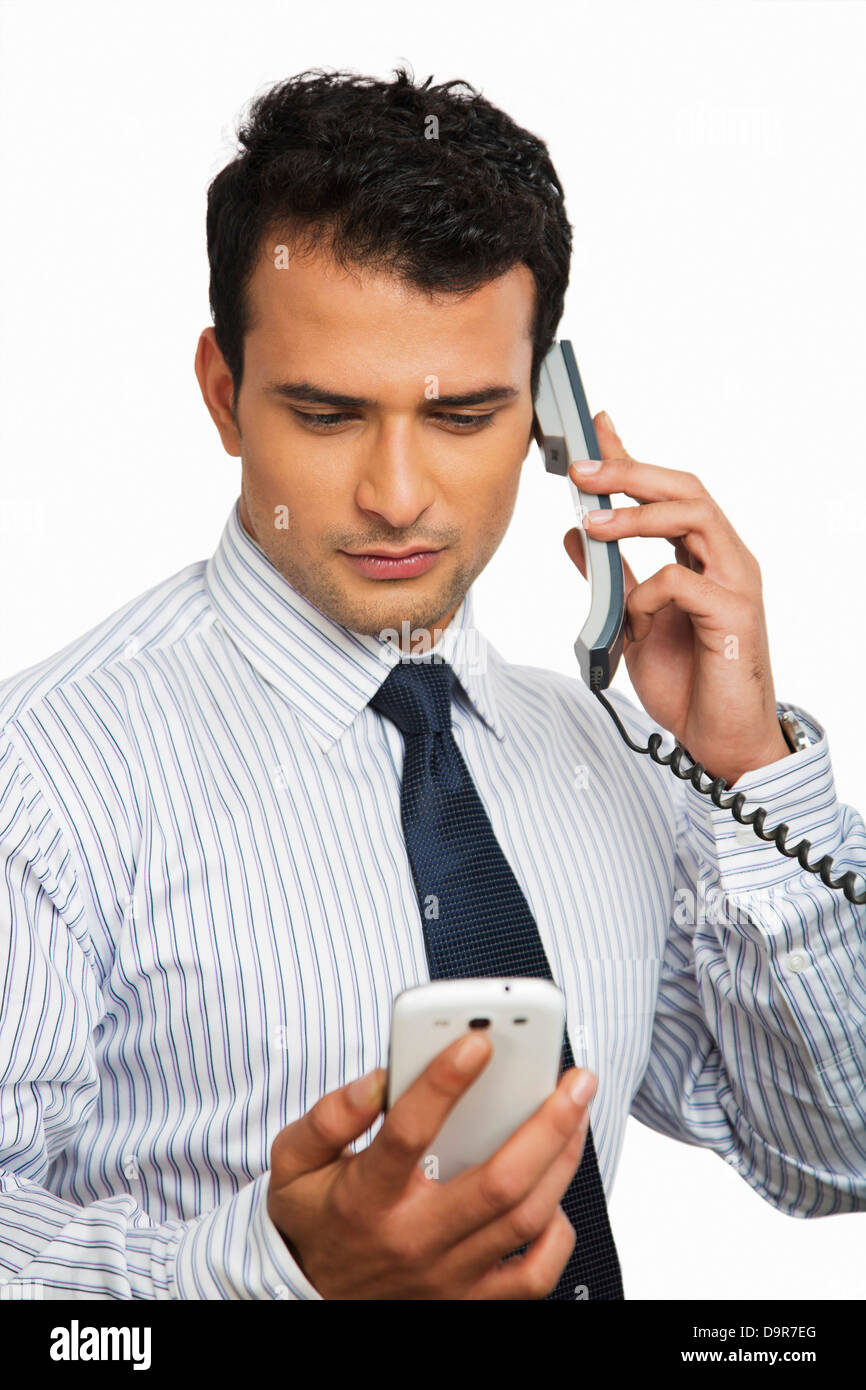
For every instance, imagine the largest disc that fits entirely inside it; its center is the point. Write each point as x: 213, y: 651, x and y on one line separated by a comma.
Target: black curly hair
x: 430, y: 183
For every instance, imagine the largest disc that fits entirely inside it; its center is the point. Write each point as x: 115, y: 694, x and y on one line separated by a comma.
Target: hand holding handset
x: 524, y: 1019
x: 563, y: 430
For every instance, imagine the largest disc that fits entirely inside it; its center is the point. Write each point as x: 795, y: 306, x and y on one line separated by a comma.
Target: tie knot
x: 416, y: 696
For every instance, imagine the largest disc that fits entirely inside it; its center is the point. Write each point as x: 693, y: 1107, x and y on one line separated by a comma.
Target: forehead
x: 306, y: 305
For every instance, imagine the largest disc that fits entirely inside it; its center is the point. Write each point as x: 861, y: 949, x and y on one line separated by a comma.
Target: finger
x: 645, y: 482
x: 535, y: 1274
x: 611, y: 450
x: 683, y: 556
x: 321, y: 1135
x: 525, y: 1222
x: 697, y: 523
x: 612, y: 447
x: 610, y: 444
x: 715, y: 611
x: 487, y: 1191
x: 383, y: 1169
x: 619, y: 472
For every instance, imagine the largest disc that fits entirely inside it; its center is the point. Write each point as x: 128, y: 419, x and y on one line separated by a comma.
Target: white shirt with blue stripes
x: 207, y: 908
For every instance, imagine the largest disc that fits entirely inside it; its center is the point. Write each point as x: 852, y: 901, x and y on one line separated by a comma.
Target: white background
x: 712, y: 157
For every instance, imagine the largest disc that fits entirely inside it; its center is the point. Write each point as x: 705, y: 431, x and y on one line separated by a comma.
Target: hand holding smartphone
x: 370, y: 1225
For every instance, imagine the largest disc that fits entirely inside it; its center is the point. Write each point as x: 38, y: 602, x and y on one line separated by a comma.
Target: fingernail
x: 470, y: 1052
x: 608, y: 422
x: 587, y: 465
x: 599, y: 516
x: 366, y: 1091
x: 583, y: 1088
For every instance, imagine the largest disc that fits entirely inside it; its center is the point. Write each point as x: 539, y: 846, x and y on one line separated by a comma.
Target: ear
x: 216, y: 386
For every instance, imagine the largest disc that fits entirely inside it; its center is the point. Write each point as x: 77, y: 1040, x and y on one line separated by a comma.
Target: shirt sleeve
x: 50, y: 1004
x: 759, y: 1040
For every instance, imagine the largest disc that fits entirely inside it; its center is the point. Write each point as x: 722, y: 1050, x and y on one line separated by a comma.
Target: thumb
x: 319, y: 1137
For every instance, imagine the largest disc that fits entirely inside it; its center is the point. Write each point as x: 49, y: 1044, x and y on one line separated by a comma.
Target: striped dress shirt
x: 207, y: 909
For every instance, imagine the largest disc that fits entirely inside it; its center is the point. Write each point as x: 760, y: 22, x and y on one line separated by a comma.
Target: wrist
x: 775, y: 749
x: 778, y: 748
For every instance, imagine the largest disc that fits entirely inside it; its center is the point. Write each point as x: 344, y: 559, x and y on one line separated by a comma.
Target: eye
x: 467, y: 423
x: 464, y: 424
x: 321, y: 421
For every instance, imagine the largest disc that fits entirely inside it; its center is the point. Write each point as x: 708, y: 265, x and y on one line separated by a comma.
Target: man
x: 212, y: 875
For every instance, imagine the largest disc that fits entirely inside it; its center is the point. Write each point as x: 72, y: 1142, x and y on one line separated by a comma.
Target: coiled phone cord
x: 755, y: 819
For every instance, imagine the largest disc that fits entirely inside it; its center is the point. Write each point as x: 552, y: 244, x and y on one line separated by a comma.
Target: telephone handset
x: 564, y: 432
x: 563, y: 429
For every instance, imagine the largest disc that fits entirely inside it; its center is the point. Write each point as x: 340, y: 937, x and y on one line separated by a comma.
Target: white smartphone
x: 524, y: 1018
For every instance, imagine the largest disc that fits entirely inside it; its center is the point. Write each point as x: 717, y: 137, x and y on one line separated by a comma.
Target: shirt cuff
x: 236, y: 1252
x: 798, y: 791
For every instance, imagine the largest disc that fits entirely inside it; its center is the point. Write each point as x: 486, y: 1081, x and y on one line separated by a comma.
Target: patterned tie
x: 484, y: 925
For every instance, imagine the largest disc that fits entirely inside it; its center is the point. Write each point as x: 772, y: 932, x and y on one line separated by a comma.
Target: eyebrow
x: 309, y: 393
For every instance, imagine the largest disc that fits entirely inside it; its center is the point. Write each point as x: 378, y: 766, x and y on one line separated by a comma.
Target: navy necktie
x: 484, y: 926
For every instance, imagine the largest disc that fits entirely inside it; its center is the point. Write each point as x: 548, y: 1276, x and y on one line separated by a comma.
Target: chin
x: 373, y: 618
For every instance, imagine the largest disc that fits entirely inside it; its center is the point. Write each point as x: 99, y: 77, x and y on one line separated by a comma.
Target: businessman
x: 238, y: 817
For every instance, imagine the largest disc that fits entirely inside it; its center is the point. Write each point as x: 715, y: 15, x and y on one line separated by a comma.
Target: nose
x: 395, y: 484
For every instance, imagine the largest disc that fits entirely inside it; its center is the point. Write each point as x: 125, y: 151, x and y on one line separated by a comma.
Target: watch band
x: 792, y: 730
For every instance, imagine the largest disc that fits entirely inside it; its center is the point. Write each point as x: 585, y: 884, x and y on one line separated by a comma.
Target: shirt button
x: 796, y: 962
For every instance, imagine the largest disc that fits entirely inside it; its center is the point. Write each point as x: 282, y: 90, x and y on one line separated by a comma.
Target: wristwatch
x: 792, y: 730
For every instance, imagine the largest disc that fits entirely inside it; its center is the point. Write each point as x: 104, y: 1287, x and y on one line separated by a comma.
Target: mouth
x: 384, y: 564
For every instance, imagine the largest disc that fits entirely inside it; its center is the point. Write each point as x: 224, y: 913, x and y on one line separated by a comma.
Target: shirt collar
x: 328, y: 672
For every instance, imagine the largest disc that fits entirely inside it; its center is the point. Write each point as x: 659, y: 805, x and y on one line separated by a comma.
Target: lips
x: 392, y: 554
x: 402, y: 566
